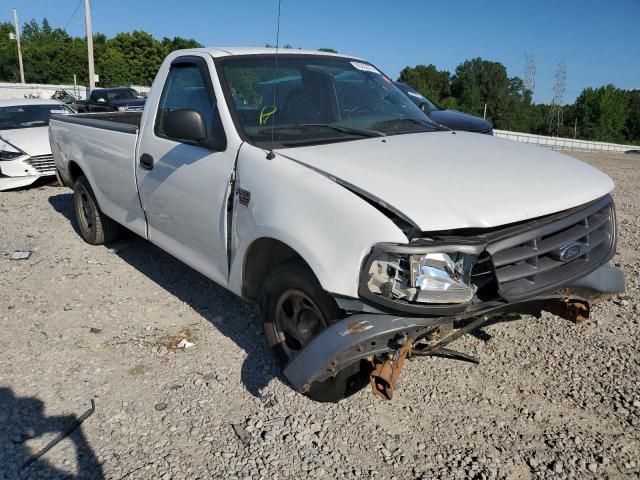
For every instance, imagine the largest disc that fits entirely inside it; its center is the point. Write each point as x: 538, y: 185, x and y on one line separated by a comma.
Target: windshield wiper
x: 363, y: 132
x: 415, y: 121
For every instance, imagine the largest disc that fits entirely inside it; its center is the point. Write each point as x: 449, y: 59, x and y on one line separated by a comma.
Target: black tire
x: 289, y: 281
x: 94, y: 226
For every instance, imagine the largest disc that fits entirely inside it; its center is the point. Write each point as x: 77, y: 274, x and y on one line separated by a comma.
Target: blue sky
x: 599, y: 41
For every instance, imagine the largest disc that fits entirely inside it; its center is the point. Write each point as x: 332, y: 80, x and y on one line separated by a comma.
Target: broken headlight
x: 429, y: 278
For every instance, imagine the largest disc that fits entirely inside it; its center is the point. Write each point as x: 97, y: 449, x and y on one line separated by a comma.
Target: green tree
x: 428, y: 80
x: 48, y: 54
x: 479, y: 81
x: 632, y: 125
x: 328, y: 50
x: 602, y: 113
x: 9, y: 70
x: 179, y: 43
x: 143, y: 55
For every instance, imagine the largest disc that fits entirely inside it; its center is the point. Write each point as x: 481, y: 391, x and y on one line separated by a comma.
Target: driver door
x: 183, y: 185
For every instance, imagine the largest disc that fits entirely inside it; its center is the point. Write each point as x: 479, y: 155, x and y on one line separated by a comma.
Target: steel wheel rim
x: 84, y: 210
x: 297, y: 321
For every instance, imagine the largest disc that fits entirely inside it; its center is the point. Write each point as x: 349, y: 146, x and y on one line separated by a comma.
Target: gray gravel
x: 549, y: 400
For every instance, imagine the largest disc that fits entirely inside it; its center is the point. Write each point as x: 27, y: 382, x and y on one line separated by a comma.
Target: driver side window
x: 185, y: 88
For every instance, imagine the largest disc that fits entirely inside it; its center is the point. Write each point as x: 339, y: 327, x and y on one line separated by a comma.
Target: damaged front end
x: 386, y: 341
x: 443, y: 286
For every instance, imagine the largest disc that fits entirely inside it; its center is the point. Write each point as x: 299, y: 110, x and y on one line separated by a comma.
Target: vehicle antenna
x: 271, y: 155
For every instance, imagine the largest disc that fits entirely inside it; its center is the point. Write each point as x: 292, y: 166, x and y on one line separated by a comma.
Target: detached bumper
x: 8, y: 183
x: 363, y: 335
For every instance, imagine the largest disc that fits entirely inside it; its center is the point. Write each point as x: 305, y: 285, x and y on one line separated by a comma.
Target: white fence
x: 9, y: 91
x: 557, y: 143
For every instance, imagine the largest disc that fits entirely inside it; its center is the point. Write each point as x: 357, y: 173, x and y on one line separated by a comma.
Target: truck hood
x: 452, y: 180
x: 33, y: 141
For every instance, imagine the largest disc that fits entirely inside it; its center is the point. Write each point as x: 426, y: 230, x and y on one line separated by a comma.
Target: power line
x: 72, y: 15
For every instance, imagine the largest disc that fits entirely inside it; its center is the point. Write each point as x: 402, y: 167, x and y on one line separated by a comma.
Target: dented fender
x: 329, y: 226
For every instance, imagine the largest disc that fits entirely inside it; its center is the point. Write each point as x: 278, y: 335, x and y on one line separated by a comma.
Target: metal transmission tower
x: 530, y: 73
x: 555, y: 116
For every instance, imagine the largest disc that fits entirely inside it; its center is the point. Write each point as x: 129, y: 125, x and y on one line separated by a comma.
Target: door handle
x: 146, y: 161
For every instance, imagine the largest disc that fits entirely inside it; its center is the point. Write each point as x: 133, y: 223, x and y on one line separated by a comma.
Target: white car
x: 310, y: 184
x: 25, y: 154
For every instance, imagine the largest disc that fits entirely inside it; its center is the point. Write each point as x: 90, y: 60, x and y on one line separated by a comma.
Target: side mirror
x: 189, y: 125
x: 425, y: 107
x: 185, y: 124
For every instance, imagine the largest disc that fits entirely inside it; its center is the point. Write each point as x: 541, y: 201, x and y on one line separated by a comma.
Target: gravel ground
x: 549, y: 399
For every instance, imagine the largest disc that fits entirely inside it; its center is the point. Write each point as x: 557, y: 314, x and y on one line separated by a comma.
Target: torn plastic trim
x: 364, y: 335
x: 606, y: 279
x: 408, y: 226
x: 350, y: 340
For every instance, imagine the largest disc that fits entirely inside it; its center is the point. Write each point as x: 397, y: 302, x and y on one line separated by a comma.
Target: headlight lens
x: 9, y: 152
x: 437, y: 278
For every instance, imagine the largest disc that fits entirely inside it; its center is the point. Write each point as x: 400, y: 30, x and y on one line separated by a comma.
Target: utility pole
x: 575, y: 129
x: 484, y: 115
x: 530, y: 73
x: 17, y: 27
x: 87, y: 18
x: 556, y: 116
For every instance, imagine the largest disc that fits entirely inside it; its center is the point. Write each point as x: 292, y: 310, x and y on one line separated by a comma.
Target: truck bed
x: 103, y: 146
x: 127, y: 122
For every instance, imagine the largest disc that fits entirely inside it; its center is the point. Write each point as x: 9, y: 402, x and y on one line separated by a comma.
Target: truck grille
x: 547, y: 256
x: 43, y: 164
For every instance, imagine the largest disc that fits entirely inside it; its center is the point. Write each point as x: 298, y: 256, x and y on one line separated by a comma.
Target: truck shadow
x: 234, y: 318
x: 22, y: 419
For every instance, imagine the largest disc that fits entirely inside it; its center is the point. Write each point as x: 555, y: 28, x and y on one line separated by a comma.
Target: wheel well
x: 262, y: 257
x: 74, y: 171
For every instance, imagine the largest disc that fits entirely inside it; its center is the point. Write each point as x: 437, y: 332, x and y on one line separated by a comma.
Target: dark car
x: 449, y: 118
x: 112, y: 100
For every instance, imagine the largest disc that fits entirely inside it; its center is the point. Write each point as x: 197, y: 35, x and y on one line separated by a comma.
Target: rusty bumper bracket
x: 384, y: 377
x: 574, y: 310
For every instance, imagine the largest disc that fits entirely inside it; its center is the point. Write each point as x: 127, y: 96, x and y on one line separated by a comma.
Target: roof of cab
x: 16, y: 102
x: 219, y: 52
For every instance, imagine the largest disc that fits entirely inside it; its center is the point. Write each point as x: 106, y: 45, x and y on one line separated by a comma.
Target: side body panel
x: 330, y: 227
x: 107, y: 159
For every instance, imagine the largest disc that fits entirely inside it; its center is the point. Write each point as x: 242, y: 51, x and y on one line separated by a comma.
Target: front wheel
x: 296, y: 310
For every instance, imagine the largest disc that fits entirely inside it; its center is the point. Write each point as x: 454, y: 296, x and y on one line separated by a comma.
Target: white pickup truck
x: 308, y: 183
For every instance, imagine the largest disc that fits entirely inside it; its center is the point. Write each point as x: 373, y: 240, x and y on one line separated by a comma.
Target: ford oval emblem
x: 570, y: 251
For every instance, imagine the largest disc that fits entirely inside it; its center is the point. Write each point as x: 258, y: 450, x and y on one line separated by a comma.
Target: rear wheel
x: 94, y: 226
x: 296, y: 310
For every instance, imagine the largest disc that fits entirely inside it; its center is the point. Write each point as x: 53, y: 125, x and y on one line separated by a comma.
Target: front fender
x: 330, y: 227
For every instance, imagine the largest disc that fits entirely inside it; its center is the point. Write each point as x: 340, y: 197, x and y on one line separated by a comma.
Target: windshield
x: 315, y: 99
x: 416, y: 97
x: 122, y: 94
x: 26, y: 116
